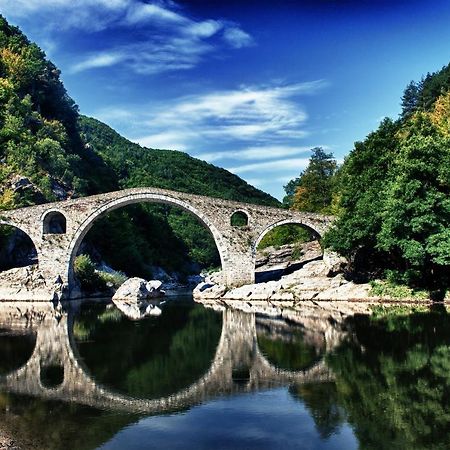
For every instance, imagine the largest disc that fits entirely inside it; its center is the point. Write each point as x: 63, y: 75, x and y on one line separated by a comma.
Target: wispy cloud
x: 265, y: 115
x: 169, y: 38
x: 272, y: 166
x: 255, y: 153
x: 250, y: 130
x: 237, y: 38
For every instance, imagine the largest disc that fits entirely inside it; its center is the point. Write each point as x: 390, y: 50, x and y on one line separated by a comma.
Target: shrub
x: 85, y: 272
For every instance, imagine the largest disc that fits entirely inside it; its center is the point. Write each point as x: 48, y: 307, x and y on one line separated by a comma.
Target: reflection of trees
x: 395, y: 386
x: 48, y: 425
x: 152, y: 358
x: 290, y: 354
x: 321, y: 400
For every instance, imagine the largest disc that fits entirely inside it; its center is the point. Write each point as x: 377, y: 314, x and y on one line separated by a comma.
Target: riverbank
x: 316, y: 282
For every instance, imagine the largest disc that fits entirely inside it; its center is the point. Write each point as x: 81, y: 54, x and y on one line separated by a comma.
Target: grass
x: 383, y: 311
x: 397, y: 291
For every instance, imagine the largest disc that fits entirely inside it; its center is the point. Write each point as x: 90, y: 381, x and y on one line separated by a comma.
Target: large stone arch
x: 130, y: 199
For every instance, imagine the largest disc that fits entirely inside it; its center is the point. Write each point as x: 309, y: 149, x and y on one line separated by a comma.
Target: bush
x: 89, y: 279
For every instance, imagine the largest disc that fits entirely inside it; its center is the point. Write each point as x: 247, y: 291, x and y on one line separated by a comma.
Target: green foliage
x: 285, y: 234
x: 37, y: 117
x: 312, y: 190
x: 85, y: 273
x: 393, y: 381
x: 115, y: 279
x: 394, y: 195
x: 392, y: 290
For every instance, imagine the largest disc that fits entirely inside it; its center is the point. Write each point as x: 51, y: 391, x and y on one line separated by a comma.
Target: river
x: 86, y: 377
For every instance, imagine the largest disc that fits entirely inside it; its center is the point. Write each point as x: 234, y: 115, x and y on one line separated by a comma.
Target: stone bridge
x: 57, y: 230
x: 237, y: 351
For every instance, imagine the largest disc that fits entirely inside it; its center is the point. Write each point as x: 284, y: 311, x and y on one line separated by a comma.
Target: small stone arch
x: 240, y: 218
x: 138, y: 198
x: 309, y: 226
x: 54, y: 222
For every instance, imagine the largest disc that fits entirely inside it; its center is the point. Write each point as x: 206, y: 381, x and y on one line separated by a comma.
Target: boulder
x: 137, y: 310
x: 334, y: 262
x: 135, y: 298
x: 138, y: 289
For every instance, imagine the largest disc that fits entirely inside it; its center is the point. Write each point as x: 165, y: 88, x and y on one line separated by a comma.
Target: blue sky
x: 248, y: 86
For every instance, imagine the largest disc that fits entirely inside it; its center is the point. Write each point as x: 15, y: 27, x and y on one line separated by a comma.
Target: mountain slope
x: 50, y: 152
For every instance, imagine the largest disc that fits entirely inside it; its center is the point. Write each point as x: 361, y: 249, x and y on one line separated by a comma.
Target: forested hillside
x: 48, y: 152
x: 392, y: 193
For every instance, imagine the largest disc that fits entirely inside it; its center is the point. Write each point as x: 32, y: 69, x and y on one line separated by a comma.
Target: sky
x: 250, y: 86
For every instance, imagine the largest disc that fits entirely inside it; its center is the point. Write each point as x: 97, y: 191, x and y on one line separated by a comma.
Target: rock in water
x: 133, y: 298
x: 138, y: 289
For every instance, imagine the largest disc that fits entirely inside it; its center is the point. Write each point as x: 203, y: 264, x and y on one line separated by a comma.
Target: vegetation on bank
x: 391, y: 195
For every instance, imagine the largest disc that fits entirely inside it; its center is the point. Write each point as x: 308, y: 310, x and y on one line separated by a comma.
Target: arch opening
x: 283, y: 248
x: 16, y: 348
x: 287, y: 346
x: 17, y: 249
x: 239, y: 219
x: 52, y: 376
x: 149, y: 237
x: 54, y: 222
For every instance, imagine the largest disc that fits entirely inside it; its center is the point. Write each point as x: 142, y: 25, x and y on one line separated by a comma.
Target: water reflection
x: 152, y: 358
x: 16, y: 347
x: 387, y: 381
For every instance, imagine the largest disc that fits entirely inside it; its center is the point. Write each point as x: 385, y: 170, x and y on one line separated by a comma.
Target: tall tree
x: 314, y: 189
x: 410, y: 100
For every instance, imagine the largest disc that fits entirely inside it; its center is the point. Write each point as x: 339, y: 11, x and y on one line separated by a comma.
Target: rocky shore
x: 317, y: 282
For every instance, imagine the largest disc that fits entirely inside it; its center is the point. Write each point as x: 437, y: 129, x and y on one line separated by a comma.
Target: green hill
x: 50, y: 152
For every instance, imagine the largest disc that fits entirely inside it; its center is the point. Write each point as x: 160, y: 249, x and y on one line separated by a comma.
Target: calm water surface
x: 194, y: 378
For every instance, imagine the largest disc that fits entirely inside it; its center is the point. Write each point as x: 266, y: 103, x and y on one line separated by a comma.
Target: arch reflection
x: 236, y: 350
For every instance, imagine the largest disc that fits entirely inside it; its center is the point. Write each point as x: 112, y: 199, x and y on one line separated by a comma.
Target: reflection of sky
x: 263, y: 420
x: 249, y: 86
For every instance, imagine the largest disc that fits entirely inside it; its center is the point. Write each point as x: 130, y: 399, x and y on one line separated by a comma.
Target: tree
x: 312, y: 190
x: 416, y: 210
x: 362, y: 179
x: 410, y: 100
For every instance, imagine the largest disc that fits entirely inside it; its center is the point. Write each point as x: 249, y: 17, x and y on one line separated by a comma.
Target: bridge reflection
x: 56, y: 372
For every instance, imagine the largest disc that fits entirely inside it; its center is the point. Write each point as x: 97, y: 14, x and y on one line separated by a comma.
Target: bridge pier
x: 239, y: 269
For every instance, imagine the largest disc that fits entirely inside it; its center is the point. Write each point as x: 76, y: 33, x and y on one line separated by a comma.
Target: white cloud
x: 92, y: 15
x: 272, y: 166
x: 169, y: 38
x: 103, y: 59
x: 143, y: 12
x: 252, y: 113
x: 257, y: 122
x: 237, y: 38
x: 168, y: 141
x: 255, y: 153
